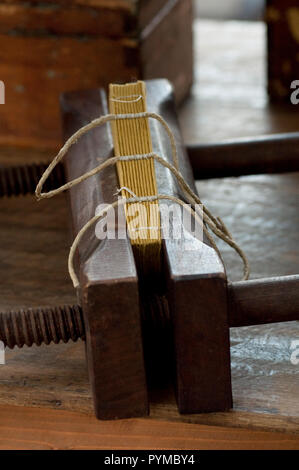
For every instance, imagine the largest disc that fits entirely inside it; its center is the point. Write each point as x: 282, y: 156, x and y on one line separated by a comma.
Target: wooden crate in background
x: 283, y: 47
x: 62, y: 45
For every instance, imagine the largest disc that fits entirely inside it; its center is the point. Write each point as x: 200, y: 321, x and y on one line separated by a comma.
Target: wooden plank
x: 109, y: 284
x: 34, y: 273
x: 40, y: 429
x: 265, y: 383
x: 194, y: 276
x: 125, y: 4
x: 149, y: 12
x: 95, y: 17
x: 63, y: 18
x: 55, y: 71
x: 199, y: 309
x: 166, y: 49
x: 38, y: 64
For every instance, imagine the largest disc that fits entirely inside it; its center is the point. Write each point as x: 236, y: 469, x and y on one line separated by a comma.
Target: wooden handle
x: 275, y: 153
x: 262, y: 301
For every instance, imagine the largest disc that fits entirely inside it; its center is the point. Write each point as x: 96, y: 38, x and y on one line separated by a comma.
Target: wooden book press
x: 177, y: 325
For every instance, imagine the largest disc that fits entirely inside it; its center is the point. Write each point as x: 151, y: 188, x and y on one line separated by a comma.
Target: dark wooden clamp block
x: 109, y: 291
x: 134, y: 332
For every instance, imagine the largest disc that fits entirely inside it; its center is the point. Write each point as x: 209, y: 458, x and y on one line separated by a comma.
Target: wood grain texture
x: 199, y: 310
x: 65, y: 19
x: 108, y: 278
x: 201, y: 350
x: 31, y: 428
x: 27, y: 246
x: 275, y: 153
x: 265, y: 383
x: 125, y: 4
x: 56, y: 69
x: 61, y: 48
x: 111, y: 18
x: 266, y: 205
x: 167, y: 47
x: 193, y: 274
x: 262, y: 301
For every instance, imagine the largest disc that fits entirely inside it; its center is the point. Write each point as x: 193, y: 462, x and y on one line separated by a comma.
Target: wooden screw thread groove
x: 41, y: 325
x: 22, y: 180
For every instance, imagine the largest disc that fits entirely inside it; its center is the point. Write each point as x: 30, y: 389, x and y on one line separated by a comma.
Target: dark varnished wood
x: 276, y: 153
x: 282, y: 48
x: 265, y: 383
x: 201, y: 332
x: 109, y: 285
x: 192, y: 276
x: 171, y: 57
x: 262, y: 301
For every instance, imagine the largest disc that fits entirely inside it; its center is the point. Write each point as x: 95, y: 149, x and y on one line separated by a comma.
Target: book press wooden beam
x: 194, y: 299
x: 109, y: 293
x: 276, y: 153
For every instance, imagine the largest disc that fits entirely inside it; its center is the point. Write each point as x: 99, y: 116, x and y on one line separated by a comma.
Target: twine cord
x: 83, y: 130
x: 128, y: 99
x: 215, y: 224
x: 123, y: 201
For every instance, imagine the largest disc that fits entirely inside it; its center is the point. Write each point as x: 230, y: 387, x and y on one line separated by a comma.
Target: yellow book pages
x: 133, y: 137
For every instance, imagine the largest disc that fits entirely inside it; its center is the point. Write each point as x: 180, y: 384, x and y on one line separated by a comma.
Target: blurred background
x: 230, y: 9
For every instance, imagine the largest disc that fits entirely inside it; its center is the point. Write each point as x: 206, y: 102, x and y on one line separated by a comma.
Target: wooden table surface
x: 45, y: 399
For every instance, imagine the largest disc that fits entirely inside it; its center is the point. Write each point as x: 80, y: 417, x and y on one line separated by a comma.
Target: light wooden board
x: 29, y: 428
